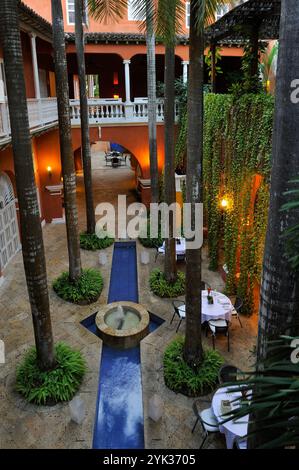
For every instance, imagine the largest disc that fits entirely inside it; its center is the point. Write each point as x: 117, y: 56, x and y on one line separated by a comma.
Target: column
x: 185, y: 64
x: 127, y: 80
x: 35, y: 73
x: 35, y: 66
x: 90, y: 86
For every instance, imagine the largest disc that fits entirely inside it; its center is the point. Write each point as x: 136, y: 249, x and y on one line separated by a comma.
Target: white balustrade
x: 102, y: 111
x: 40, y: 113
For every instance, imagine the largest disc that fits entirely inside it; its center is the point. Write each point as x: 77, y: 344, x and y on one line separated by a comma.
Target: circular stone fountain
x: 122, y: 324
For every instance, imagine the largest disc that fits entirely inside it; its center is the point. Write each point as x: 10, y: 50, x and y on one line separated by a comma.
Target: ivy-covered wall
x: 236, y: 170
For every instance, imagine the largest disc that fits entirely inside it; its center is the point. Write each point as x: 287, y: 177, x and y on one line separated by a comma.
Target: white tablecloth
x: 221, y: 308
x: 234, y: 429
x: 180, y: 248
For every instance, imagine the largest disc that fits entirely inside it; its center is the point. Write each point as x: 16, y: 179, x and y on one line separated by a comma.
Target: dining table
x: 234, y: 429
x: 221, y: 308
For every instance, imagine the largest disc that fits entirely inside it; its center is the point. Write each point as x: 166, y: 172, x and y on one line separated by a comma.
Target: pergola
x: 251, y: 21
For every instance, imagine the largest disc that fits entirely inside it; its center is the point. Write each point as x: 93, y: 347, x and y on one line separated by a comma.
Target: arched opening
x: 9, y: 231
x: 105, y: 75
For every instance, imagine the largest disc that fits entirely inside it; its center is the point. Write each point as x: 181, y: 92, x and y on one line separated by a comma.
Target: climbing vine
x: 236, y: 172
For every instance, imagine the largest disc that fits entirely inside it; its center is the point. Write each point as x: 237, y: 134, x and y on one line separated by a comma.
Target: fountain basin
x: 122, y: 324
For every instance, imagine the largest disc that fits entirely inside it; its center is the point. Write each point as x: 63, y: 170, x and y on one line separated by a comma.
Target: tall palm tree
x: 170, y: 268
x: 65, y: 134
x: 86, y: 154
x: 200, y: 12
x: 279, y: 297
x: 151, y: 93
x: 31, y: 232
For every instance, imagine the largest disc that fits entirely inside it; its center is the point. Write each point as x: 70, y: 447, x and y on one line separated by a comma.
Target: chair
x: 176, y: 305
x: 227, y: 373
x: 240, y: 444
x: 219, y: 327
x: 207, y: 420
x: 237, y: 307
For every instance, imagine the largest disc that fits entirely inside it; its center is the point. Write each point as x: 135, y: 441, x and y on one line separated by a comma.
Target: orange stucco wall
x: 43, y: 8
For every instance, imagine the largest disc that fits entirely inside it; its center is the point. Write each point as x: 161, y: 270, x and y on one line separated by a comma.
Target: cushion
x: 209, y: 420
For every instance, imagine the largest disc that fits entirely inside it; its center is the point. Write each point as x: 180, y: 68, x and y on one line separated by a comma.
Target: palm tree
x: 31, y: 232
x: 170, y: 268
x: 65, y: 134
x: 279, y: 297
x: 200, y: 12
x: 151, y: 93
x: 86, y: 156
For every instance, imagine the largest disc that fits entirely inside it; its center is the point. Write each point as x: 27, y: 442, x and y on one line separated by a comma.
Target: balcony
x: 110, y: 111
x: 41, y: 113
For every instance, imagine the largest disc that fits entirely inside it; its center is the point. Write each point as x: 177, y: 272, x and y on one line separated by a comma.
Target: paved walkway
x: 28, y: 426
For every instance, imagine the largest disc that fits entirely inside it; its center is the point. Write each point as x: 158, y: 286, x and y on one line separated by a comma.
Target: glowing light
x: 49, y: 169
x: 224, y: 203
x: 116, y: 97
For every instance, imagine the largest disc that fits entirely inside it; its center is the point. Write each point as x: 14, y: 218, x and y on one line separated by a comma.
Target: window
x: 187, y: 14
x: 70, y: 11
x: 2, y: 80
x: 132, y: 16
x: 221, y: 11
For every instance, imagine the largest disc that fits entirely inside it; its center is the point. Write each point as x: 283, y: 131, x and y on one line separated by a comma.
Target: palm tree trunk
x: 65, y: 134
x: 86, y: 155
x: 170, y: 269
x: 279, y: 297
x: 151, y: 92
x: 31, y: 231
x: 193, y: 352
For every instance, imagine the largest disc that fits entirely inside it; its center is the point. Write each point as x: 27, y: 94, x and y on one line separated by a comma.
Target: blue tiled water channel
x: 119, y: 413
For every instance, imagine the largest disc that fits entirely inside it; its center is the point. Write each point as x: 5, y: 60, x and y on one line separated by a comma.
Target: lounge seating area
x: 116, y: 159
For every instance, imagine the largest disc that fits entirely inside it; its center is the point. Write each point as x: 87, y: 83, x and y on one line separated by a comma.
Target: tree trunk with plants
x: 279, y: 297
x: 279, y: 294
x: 86, y: 153
x: 170, y: 268
x: 151, y: 93
x: 65, y: 134
x: 31, y: 231
x: 193, y: 351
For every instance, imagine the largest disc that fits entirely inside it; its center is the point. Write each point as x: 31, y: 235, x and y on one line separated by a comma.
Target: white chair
x: 241, y: 444
x: 207, y: 420
x: 219, y: 326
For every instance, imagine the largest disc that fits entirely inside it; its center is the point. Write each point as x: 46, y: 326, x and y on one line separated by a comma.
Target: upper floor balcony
x: 110, y: 111
x: 43, y: 113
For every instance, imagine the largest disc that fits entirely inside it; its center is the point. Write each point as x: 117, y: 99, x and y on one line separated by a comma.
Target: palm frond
x: 107, y: 10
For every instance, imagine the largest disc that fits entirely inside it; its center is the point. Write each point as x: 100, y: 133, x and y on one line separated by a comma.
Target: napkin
x: 225, y: 407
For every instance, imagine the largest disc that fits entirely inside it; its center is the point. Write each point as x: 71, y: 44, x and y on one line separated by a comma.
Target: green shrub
x: 90, y: 241
x: 162, y: 288
x: 84, y: 291
x: 56, y: 385
x: 151, y: 242
x: 181, y: 378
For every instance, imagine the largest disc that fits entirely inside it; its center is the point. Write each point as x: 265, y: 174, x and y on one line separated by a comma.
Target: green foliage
x: 208, y: 61
x: 84, y: 291
x: 249, y: 83
x: 273, y: 408
x: 181, y: 378
x: 292, y: 234
x: 236, y: 163
x: 149, y: 242
x: 162, y: 288
x: 53, y: 386
x: 90, y: 241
